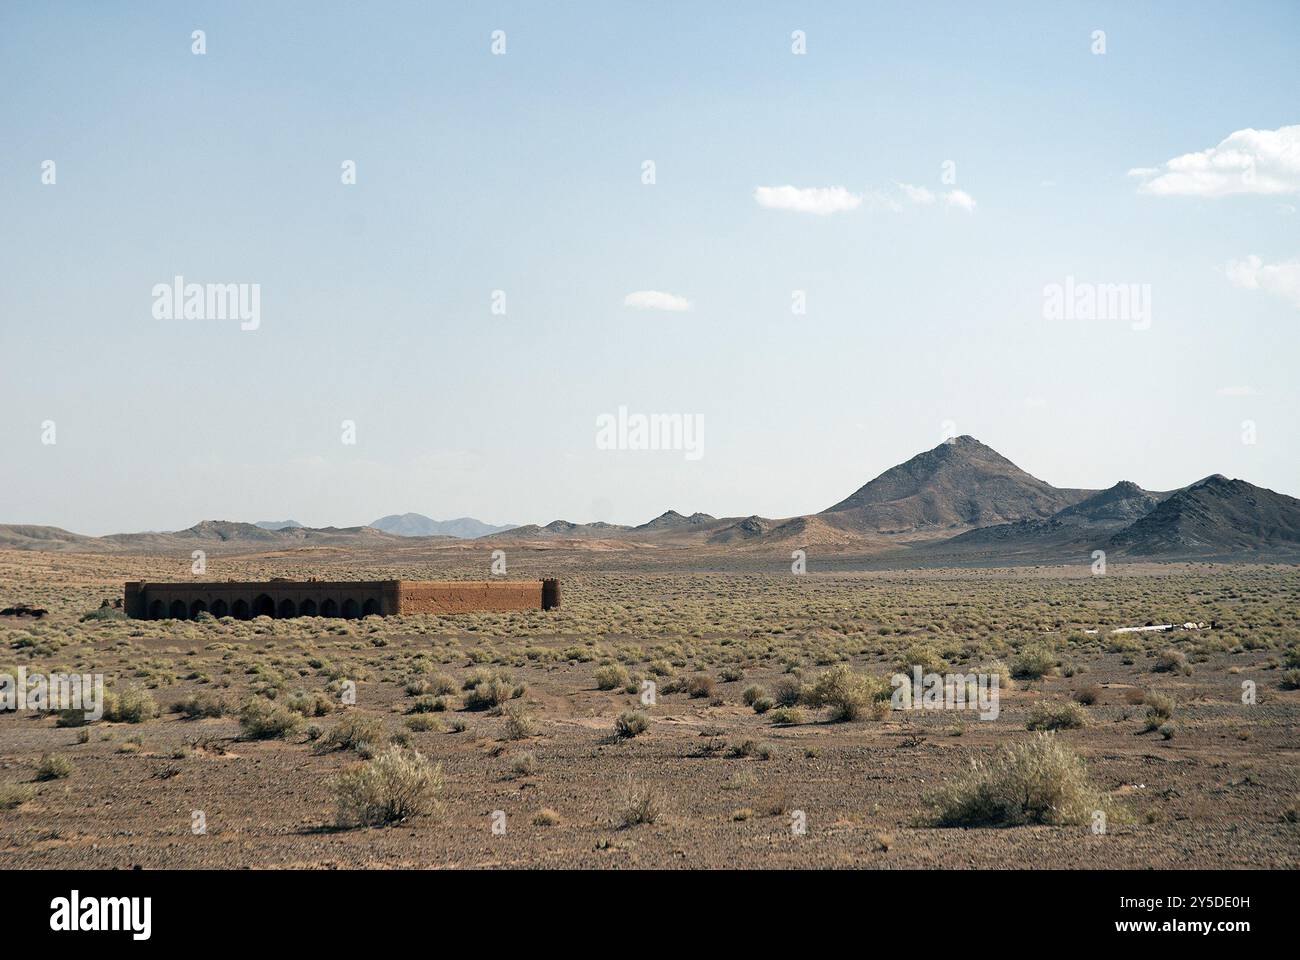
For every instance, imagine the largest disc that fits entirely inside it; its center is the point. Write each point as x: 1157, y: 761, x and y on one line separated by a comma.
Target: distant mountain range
x: 961, y: 502
x: 418, y: 525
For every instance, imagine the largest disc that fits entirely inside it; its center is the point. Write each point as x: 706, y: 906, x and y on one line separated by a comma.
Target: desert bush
x: 491, y: 693
x: 53, y: 766
x: 1167, y: 730
x: 133, y: 705
x: 850, y: 696
x: 1056, y: 716
x: 611, y: 677
x: 787, y: 715
x: 638, y: 803
x: 631, y: 723
x: 1088, y: 695
x: 923, y: 656
x: 1172, y: 661
x: 314, y: 704
x: 787, y: 692
x: 262, y: 719
x: 396, y: 785
x: 1159, y: 709
x: 423, y: 723
x: 519, y: 725
x: 546, y: 817
x: 699, y: 686
x: 524, y: 765
x: 731, y: 674
x: 355, y: 732
x: 1037, y: 781
x: 1291, y: 680
x: 14, y: 795
x: 1033, y: 661
x: 199, y: 705
x: 751, y: 693
x: 764, y: 704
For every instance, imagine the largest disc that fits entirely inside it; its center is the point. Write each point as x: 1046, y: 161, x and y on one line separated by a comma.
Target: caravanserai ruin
x: 339, y: 598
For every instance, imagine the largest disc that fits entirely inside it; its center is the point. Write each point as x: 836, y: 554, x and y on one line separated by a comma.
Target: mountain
x: 418, y: 525
x: 672, y: 520
x: 1215, y: 516
x: 277, y: 524
x: 564, y: 529
x: 958, y: 485
x: 1120, y: 504
x: 28, y: 536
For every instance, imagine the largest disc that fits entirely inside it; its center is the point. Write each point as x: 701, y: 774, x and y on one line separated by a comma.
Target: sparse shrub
x: 262, y: 719
x: 199, y: 705
x: 731, y: 674
x: 428, y: 704
x: 752, y: 693
x: 849, y: 695
x: 1040, y: 780
x: 787, y: 715
x: 397, y: 784
x: 355, y: 732
x: 1159, y: 709
x: 923, y: 656
x: 1167, y: 730
x: 700, y: 686
x: 764, y: 704
x: 787, y: 692
x: 54, y: 766
x: 1088, y: 695
x: 1172, y: 661
x: 1291, y: 680
x: 611, y: 676
x: 546, y: 817
x: 491, y: 693
x: 524, y: 765
x: 134, y: 705
x: 1032, y: 662
x: 314, y: 704
x: 519, y: 725
x: 423, y: 723
x: 631, y: 723
x: 638, y: 803
x: 14, y: 795
x: 1056, y: 716
x: 457, y: 725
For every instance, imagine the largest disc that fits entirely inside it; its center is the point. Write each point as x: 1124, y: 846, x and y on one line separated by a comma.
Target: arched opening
x: 350, y: 609
x: 307, y: 608
x: 156, y: 610
x: 220, y: 609
x: 177, y: 611
x: 286, y: 609
x: 240, y: 610
x: 263, y: 606
x: 329, y: 609
x: 370, y: 607
x: 197, y: 607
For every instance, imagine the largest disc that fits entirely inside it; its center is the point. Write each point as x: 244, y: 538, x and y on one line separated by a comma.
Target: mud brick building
x: 341, y: 598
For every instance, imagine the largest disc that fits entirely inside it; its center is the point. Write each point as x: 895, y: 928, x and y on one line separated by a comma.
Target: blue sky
x: 523, y: 173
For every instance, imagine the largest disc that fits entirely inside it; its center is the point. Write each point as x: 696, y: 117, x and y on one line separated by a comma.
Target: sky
x: 929, y: 182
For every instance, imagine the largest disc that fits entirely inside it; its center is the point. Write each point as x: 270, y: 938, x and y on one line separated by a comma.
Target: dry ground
x: 1221, y: 791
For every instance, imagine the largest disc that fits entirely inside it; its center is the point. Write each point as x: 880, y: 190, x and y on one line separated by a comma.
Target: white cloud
x: 1280, y: 279
x: 1248, y: 161
x: 656, y: 300
x: 961, y: 200
x: 819, y: 200
x: 828, y: 200
x: 916, y: 194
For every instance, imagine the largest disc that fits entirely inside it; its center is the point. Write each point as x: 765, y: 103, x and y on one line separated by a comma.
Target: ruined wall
x: 466, y: 596
x: 319, y: 598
